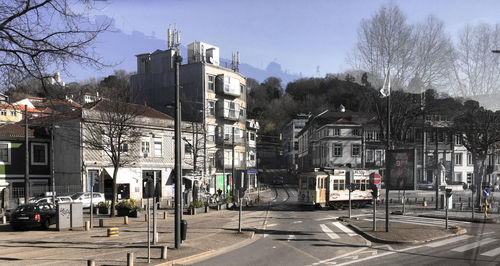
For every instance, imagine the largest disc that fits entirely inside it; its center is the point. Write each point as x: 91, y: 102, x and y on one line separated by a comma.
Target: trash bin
x: 184, y: 226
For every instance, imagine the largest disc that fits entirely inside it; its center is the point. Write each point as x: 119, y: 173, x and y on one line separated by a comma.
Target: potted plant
x: 103, y: 207
x: 123, y: 207
x: 135, y: 212
x: 196, y: 207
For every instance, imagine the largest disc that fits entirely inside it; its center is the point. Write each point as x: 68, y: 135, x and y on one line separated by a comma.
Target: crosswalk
x: 419, y: 220
x: 484, y: 246
x: 334, y: 230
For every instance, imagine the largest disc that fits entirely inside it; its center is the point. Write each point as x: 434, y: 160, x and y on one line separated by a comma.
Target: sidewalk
x: 208, y: 234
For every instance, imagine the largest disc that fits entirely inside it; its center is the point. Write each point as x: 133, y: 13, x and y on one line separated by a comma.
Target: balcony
x: 227, y: 85
x: 229, y: 110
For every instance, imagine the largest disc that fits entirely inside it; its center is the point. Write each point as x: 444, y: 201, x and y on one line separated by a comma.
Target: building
x: 211, y: 95
x: 13, y: 161
x: 252, y: 170
x: 290, y: 142
x: 341, y: 138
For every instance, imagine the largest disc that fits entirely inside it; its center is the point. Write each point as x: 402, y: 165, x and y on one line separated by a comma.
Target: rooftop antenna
x: 174, y: 38
x: 235, y: 62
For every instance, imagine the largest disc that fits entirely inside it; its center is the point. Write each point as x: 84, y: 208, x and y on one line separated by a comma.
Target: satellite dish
x: 211, y: 60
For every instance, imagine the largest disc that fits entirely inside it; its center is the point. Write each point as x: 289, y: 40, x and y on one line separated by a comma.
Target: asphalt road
x: 295, y: 235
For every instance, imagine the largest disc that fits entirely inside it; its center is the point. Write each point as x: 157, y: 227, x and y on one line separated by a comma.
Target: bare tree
x: 476, y: 69
x: 385, y: 42
x: 39, y: 35
x: 480, y: 129
x: 111, y: 127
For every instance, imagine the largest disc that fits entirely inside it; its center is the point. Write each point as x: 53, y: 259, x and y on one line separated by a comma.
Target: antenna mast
x: 174, y: 38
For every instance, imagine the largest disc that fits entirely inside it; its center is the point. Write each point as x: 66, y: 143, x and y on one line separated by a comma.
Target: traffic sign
x: 486, y: 193
x: 376, y: 178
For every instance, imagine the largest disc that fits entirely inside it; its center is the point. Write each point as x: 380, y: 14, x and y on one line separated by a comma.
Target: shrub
x: 229, y: 199
x: 125, y: 204
x: 137, y: 209
x: 196, y: 204
x: 103, y: 205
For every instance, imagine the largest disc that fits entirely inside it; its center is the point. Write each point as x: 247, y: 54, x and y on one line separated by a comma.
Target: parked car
x: 41, y: 200
x: 425, y: 185
x: 463, y: 184
x: 84, y: 198
x: 64, y: 199
x: 40, y: 214
x: 279, y: 180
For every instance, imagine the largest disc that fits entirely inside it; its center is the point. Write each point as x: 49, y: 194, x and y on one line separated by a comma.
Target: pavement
x: 208, y: 234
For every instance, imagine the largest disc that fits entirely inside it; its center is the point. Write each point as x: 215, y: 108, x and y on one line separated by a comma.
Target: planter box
x: 135, y: 214
x: 123, y: 212
x: 102, y: 210
x: 197, y: 210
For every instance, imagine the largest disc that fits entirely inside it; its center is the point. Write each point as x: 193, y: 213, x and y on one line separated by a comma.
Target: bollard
x: 416, y: 200
x: 145, y: 217
x: 125, y: 219
x: 206, y: 209
x: 424, y: 203
x: 164, y: 215
x: 164, y: 252
x: 96, y: 211
x: 101, y: 222
x: 468, y: 204
x: 461, y: 206
x: 218, y: 207
x: 87, y: 225
x: 130, y: 259
x: 459, y: 199
x: 4, y: 219
x: 91, y: 263
x: 156, y: 237
x: 113, y: 232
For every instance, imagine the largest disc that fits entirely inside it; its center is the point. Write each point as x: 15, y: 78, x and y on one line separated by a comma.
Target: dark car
x: 425, y: 185
x: 41, y: 214
x: 279, y: 180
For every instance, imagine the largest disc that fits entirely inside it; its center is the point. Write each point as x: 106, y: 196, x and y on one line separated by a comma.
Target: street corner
x: 401, y: 233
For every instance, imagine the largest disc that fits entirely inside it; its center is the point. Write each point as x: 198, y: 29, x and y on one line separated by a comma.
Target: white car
x: 64, y: 199
x: 84, y: 198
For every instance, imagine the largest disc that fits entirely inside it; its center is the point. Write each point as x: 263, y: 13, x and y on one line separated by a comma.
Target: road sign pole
x: 374, y: 214
x: 349, y: 202
x: 446, y: 215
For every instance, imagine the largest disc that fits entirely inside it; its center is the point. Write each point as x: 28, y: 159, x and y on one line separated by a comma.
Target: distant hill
x: 119, y: 49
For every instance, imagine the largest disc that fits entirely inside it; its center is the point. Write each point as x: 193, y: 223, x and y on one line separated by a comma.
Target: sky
x: 305, y: 37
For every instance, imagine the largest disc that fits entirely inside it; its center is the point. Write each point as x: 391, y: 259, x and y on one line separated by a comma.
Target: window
x: 187, y: 149
x: 38, y: 153
x: 211, y: 83
x: 336, y: 131
x: 356, y: 150
x: 3, y: 112
x: 372, y: 135
x: 369, y: 156
x: 296, y: 145
x: 341, y: 184
x: 469, y: 158
x: 158, y: 148
x: 469, y: 177
x: 458, y: 139
x: 145, y: 147
x: 252, y: 136
x: 4, y: 152
x: 356, y: 132
x: 211, y: 108
x: 337, y: 150
x: 211, y: 133
x: 458, y: 159
x: 442, y: 137
x: 12, y: 112
x: 242, y: 88
x: 124, y: 148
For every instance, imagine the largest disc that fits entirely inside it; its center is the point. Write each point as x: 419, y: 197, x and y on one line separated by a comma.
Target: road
x: 294, y: 235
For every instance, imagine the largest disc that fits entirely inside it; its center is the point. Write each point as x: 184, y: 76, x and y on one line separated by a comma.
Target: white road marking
x: 492, y: 252
x: 378, y: 255
x: 328, y: 232
x: 448, y: 241
x: 290, y: 237
x: 474, y: 245
x: 326, y: 218
x: 338, y: 257
x: 344, y: 228
x: 265, y: 235
x: 297, y: 222
x: 271, y: 225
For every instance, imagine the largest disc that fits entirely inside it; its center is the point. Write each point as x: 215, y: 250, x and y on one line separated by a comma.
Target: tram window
x: 336, y: 184
x: 358, y: 184
x: 341, y: 185
x: 312, y: 183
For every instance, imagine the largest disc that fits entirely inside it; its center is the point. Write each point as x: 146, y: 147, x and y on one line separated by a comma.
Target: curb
x: 463, y: 219
x: 411, y: 242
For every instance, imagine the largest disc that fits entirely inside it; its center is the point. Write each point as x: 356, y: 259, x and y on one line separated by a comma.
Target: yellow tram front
x: 313, y: 188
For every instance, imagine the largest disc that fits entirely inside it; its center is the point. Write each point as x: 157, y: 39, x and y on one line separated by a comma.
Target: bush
x: 229, y: 199
x: 137, y: 209
x: 103, y: 205
x: 125, y: 204
x: 196, y: 204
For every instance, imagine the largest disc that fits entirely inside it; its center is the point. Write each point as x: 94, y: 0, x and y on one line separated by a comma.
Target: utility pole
x: 387, y: 169
x: 52, y: 163
x: 232, y: 163
x: 438, y: 173
x: 178, y: 169
x: 26, y: 157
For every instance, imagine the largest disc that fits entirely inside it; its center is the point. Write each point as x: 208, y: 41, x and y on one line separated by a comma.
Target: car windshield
x: 76, y: 196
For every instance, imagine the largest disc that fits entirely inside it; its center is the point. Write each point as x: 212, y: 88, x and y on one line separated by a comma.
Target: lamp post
x: 178, y: 169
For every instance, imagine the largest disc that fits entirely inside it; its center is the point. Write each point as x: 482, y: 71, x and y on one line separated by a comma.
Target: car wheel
x: 46, y: 224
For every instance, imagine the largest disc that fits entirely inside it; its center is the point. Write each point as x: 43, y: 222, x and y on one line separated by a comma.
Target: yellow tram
x: 329, y: 188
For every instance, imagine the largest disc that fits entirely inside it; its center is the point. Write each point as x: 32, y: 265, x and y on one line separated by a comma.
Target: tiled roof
x: 14, y: 130
x: 142, y: 110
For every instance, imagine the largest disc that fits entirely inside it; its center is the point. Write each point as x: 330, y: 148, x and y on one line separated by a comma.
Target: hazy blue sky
x: 298, y: 34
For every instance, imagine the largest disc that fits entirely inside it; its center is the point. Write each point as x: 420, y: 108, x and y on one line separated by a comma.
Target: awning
x: 124, y: 176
